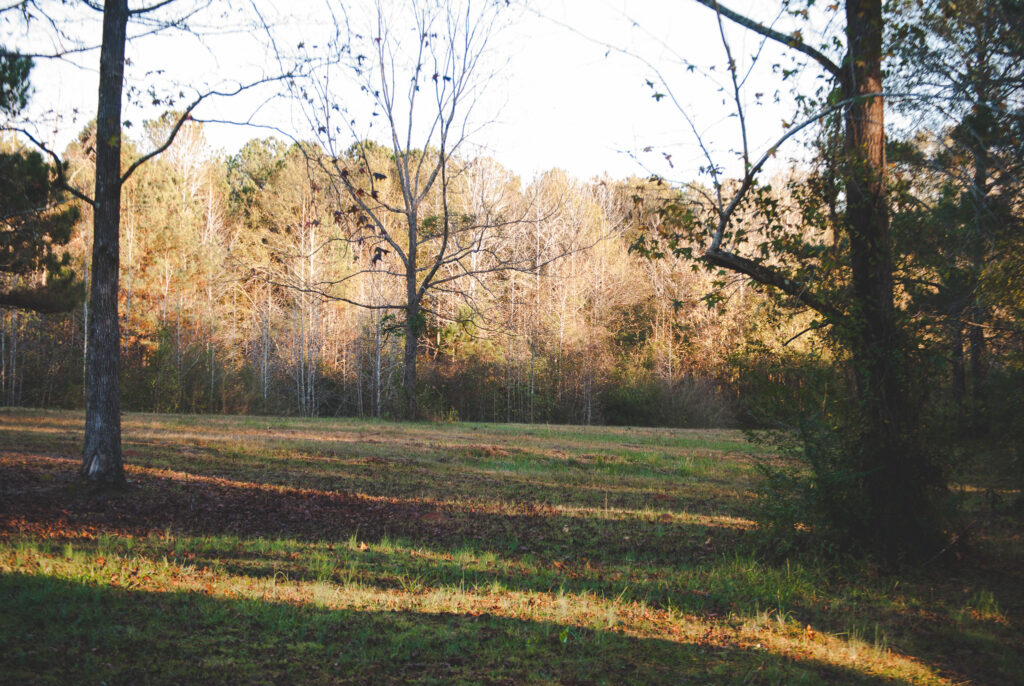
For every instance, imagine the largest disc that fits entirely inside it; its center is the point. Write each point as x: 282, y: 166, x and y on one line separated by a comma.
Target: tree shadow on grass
x: 547, y: 551
x: 60, y: 631
x: 44, y: 494
x: 724, y: 597
x: 361, y: 468
x: 377, y: 467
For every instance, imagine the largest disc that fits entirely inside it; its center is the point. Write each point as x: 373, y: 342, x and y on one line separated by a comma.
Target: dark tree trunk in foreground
x: 896, y: 482
x: 101, y: 460
x: 959, y: 374
x: 897, y: 478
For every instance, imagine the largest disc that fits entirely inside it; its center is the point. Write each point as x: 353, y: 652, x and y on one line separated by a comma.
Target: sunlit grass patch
x: 318, y: 551
x: 547, y: 620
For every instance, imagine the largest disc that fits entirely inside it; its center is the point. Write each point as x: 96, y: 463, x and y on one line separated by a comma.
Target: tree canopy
x: 35, y: 219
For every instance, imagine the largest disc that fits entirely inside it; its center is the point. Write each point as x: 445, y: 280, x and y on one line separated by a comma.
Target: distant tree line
x: 236, y: 269
x: 237, y: 272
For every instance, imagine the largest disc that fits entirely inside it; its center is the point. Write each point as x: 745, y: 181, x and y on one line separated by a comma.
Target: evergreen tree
x: 34, y: 220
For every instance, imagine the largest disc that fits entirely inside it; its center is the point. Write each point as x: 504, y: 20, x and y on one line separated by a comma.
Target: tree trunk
x: 976, y: 336
x: 378, y: 378
x: 409, y: 360
x: 412, y: 314
x: 101, y: 460
x: 412, y: 328
x: 896, y: 477
x: 982, y: 212
x: 956, y: 338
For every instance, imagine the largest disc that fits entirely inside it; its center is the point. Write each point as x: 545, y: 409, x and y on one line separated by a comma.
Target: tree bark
x: 101, y: 459
x: 896, y: 476
x: 956, y: 342
x: 412, y: 313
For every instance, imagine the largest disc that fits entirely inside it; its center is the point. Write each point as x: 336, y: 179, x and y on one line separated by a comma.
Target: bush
x: 812, y: 496
x: 818, y: 496
x: 634, y: 404
x: 689, y: 401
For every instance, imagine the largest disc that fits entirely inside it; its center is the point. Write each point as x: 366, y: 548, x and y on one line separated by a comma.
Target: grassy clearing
x: 273, y: 550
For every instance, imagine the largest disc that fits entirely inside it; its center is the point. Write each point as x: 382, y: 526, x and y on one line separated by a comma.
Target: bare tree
x: 102, y: 460
x: 395, y: 201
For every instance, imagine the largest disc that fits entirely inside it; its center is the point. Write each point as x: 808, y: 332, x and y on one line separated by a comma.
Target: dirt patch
x: 374, y: 460
x: 43, y: 496
x: 486, y: 451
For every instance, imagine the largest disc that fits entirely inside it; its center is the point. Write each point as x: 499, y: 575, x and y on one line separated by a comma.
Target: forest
x: 714, y: 420
x: 237, y: 296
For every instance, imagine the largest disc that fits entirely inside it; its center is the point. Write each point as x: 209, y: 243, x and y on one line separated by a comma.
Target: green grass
x: 268, y: 550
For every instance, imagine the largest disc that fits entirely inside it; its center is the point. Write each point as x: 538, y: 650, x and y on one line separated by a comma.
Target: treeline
x: 241, y: 275
x: 247, y: 287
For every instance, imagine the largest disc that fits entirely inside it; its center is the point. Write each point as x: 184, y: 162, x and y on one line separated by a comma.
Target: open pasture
x: 270, y: 550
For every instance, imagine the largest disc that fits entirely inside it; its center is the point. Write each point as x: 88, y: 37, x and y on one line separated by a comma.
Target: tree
x: 101, y: 456
x: 33, y: 228
x: 34, y: 221
x: 14, y: 81
x: 962, y: 157
x: 102, y: 461
x: 394, y: 202
x: 848, y: 281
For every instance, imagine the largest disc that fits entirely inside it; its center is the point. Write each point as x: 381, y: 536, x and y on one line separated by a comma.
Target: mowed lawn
x: 271, y: 550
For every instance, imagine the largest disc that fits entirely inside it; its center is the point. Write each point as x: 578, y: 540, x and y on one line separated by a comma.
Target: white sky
x: 562, y: 100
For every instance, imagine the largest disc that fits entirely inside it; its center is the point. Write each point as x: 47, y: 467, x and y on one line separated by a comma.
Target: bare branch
x: 770, y: 277
x: 768, y: 32
x: 57, y: 163
x: 726, y: 213
x: 151, y: 8
x: 735, y: 93
x: 187, y: 115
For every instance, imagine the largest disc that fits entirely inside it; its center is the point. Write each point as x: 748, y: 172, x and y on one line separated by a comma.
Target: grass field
x: 274, y: 550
